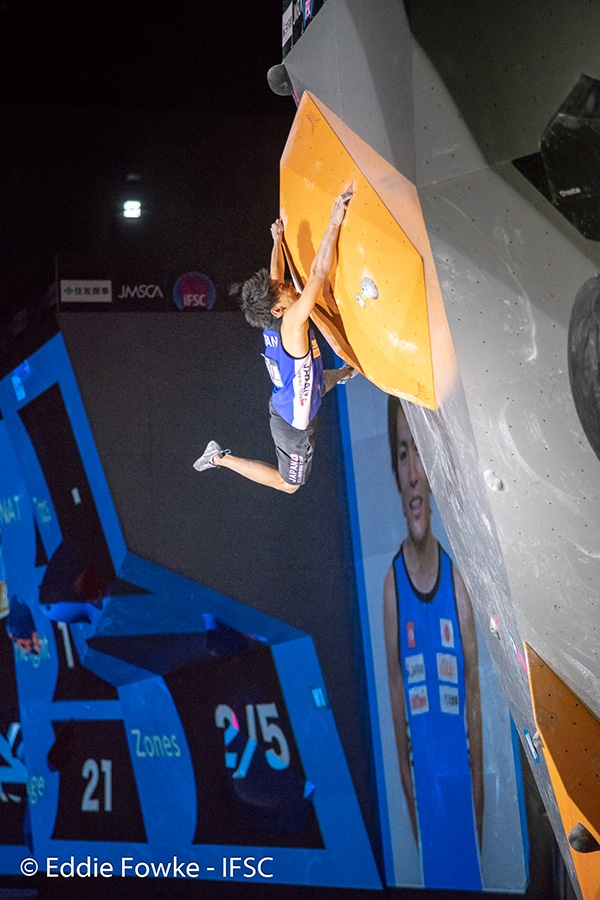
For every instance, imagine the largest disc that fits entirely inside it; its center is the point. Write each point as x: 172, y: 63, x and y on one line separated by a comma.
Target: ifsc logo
x: 194, y: 291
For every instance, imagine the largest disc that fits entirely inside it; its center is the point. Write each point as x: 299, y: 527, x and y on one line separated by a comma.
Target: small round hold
x: 493, y: 481
x: 361, y: 300
x: 495, y: 626
x: 279, y: 80
x: 369, y: 288
x: 582, y: 840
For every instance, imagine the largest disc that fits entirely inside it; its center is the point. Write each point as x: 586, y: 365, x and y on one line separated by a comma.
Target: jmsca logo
x: 140, y: 292
x: 194, y: 291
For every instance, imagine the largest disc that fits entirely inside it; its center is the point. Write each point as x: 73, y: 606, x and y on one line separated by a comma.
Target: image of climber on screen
x: 293, y: 361
x: 432, y: 663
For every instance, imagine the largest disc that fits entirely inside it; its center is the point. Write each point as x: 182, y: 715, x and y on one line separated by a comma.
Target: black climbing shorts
x: 294, y: 448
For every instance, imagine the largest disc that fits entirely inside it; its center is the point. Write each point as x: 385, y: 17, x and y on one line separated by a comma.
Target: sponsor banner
x: 130, y: 292
x: 125, y: 293
x: 85, y: 291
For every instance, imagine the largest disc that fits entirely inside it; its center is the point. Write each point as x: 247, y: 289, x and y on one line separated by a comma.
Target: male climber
x: 293, y: 361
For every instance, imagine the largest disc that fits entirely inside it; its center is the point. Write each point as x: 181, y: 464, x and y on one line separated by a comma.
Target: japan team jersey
x: 297, y: 381
x: 432, y: 663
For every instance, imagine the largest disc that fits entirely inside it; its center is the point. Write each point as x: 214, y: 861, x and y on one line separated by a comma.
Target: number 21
x: 90, y: 771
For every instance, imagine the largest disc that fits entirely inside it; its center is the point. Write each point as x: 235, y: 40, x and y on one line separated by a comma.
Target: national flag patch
x: 447, y: 632
x: 410, y: 635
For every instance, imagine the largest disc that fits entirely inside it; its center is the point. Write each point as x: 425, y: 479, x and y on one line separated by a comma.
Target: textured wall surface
x: 514, y: 475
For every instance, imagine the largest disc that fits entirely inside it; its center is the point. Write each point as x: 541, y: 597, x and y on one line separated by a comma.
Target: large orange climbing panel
x: 571, y: 739
x: 374, y: 314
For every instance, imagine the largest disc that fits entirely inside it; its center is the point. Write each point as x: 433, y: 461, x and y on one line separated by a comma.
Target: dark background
x: 175, y: 93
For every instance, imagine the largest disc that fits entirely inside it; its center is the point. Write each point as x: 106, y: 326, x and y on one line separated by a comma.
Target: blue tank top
x: 297, y: 381
x: 432, y: 663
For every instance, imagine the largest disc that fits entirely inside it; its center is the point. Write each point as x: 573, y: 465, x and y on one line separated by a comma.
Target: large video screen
x: 447, y: 764
x: 151, y: 724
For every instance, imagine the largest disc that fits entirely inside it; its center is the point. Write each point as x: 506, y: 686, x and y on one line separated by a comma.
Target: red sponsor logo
x: 410, y: 635
x: 447, y: 667
x: 418, y: 700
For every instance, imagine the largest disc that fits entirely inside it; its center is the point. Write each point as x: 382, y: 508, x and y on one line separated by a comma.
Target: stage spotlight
x: 132, y: 209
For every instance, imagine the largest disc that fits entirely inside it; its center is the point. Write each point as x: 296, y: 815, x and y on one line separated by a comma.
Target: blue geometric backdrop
x: 158, y: 719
